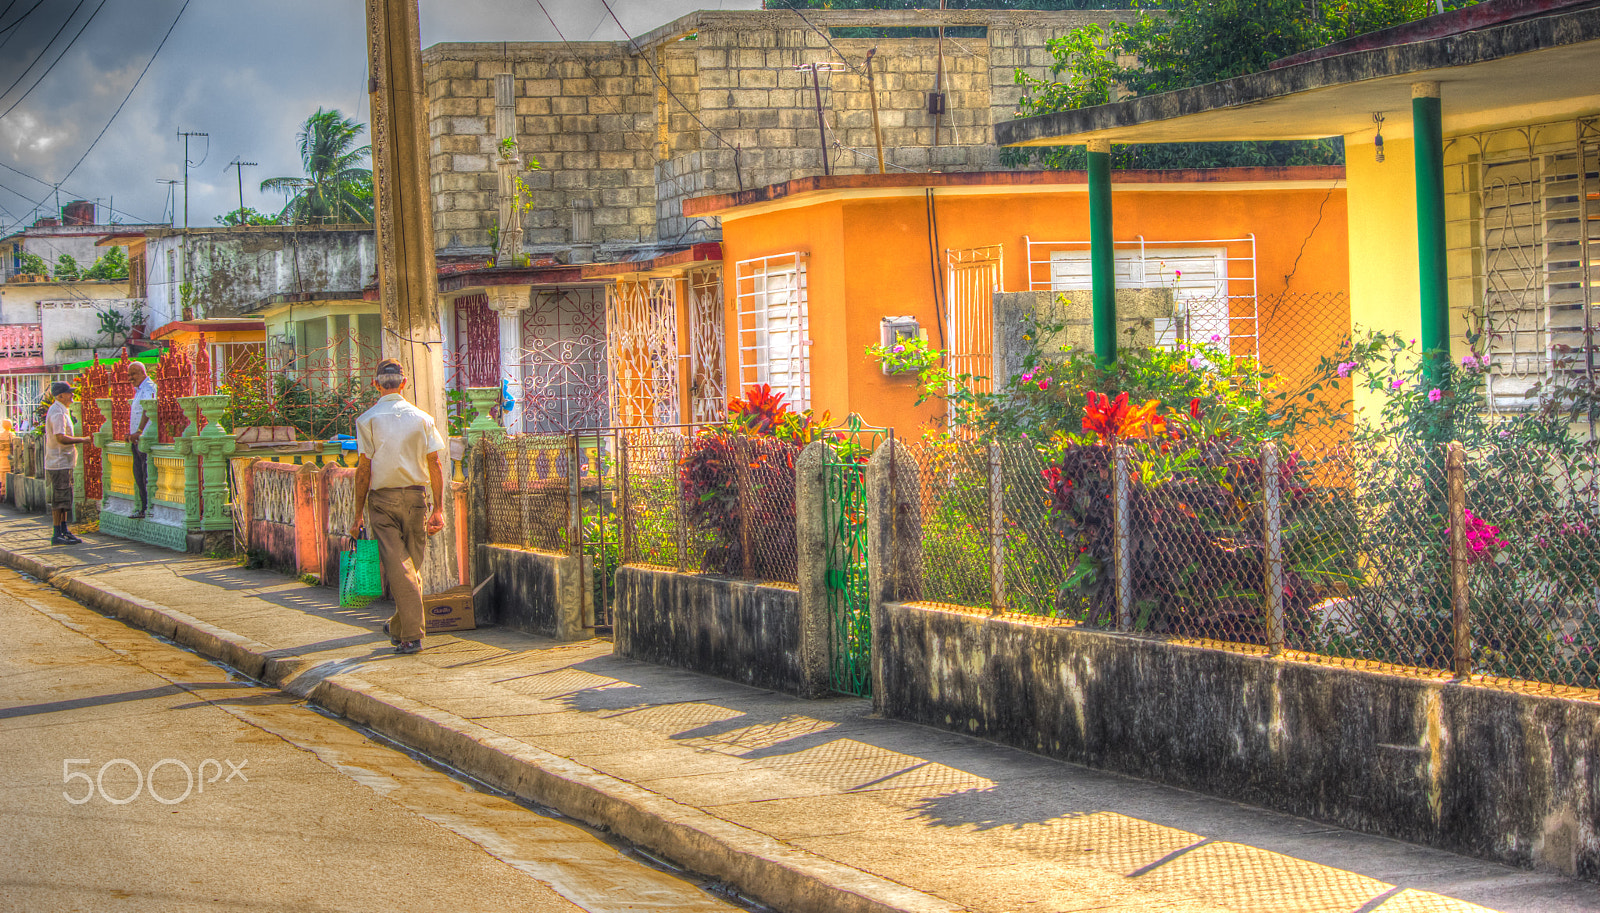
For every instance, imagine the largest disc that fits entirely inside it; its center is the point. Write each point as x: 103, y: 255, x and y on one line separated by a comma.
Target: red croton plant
x: 1196, y: 534
x: 738, y: 484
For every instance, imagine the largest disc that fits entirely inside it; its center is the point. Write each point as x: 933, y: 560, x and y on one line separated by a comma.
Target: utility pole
x: 239, y: 167
x: 185, y: 135
x: 408, y: 282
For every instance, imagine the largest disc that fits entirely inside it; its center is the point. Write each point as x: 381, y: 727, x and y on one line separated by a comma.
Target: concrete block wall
x: 712, y: 103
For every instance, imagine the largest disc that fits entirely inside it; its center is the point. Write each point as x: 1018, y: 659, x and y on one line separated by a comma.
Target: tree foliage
x: 67, y: 267
x: 1182, y: 43
x: 335, y: 188
x: 249, y: 216
x: 113, y: 264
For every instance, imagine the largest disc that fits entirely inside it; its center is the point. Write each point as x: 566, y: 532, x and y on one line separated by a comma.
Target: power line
x: 113, y: 117
x: 43, y: 49
x: 52, y: 66
x: 653, y: 72
x: 677, y: 180
x: 18, y: 21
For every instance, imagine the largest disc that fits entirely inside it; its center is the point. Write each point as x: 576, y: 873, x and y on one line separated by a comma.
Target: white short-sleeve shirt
x: 397, y: 437
x: 58, y: 456
x: 145, y: 390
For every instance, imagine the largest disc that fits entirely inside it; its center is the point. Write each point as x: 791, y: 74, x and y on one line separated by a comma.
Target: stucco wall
x: 232, y: 270
x: 634, y: 132
x: 532, y: 592
x: 65, y: 311
x: 732, y: 629
x: 1468, y: 768
x: 868, y: 256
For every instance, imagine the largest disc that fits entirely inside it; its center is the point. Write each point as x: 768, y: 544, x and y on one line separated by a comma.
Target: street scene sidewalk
x: 804, y: 805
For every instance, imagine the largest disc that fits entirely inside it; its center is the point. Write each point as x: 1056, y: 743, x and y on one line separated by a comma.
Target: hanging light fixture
x: 1377, y: 138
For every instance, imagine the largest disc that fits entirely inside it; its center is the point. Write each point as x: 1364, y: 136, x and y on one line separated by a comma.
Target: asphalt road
x: 136, y: 776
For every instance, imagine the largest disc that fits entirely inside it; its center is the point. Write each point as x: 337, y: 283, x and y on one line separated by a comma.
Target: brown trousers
x: 399, y: 517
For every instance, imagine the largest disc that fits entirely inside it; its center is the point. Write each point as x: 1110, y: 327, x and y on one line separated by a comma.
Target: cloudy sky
x: 247, y: 72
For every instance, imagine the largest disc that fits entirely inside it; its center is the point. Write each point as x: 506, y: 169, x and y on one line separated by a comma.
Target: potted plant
x: 186, y: 295
x: 136, y: 321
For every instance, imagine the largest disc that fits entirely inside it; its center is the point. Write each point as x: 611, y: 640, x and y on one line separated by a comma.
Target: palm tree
x: 335, y: 188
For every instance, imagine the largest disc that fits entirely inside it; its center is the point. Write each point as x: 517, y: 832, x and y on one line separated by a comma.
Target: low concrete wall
x: 533, y: 592
x: 1496, y: 773
x: 733, y: 629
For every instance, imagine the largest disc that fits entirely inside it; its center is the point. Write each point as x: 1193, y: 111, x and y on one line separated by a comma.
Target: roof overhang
x: 810, y: 191
x: 209, y: 325
x: 670, y: 264
x: 1517, y: 72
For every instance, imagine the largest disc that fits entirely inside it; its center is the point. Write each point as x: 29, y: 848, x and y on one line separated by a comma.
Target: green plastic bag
x: 360, y: 575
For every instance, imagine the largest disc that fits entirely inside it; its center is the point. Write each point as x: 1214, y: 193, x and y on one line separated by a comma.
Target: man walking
x: 60, y: 456
x: 398, y: 452
x: 143, y: 389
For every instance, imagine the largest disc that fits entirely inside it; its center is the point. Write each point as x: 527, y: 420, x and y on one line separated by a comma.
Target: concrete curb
x: 760, y: 866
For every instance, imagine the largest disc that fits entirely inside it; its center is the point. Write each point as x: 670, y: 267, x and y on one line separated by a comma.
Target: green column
x: 1431, y: 266
x: 1102, y: 260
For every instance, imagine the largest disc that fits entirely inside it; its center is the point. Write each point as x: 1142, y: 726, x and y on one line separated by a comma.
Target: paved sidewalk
x: 806, y: 805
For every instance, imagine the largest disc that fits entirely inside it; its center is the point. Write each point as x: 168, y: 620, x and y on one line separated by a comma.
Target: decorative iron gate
x: 849, y: 597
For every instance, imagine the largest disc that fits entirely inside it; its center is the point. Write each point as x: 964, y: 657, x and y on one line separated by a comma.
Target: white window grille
x: 774, y: 330
x: 708, y: 386
x: 642, y: 336
x: 1213, y: 283
x: 1523, y: 206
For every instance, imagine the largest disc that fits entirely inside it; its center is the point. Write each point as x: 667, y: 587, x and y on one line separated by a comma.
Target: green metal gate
x: 849, y: 605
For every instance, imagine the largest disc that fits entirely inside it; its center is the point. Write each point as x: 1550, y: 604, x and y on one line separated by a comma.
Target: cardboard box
x: 449, y: 611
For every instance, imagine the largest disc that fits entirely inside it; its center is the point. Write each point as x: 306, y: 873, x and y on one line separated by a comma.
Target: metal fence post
x: 1272, y: 508
x: 680, y: 448
x: 1456, y: 470
x: 624, y: 534
x: 997, y: 533
x: 1122, y: 524
x: 742, y: 464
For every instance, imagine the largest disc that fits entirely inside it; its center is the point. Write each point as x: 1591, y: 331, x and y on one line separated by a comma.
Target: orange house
x: 811, y: 269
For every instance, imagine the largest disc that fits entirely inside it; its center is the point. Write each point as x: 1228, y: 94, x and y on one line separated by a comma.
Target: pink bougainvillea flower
x: 1216, y: 337
x: 1345, y: 367
x: 1027, y: 377
x: 1044, y: 384
x: 1398, y: 383
x: 1435, y: 395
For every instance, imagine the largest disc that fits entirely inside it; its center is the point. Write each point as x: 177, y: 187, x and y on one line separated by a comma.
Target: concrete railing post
x: 308, y: 547
x: 1272, y: 508
x: 812, y: 540
x: 243, y: 501
x: 894, y: 543
x: 102, y: 440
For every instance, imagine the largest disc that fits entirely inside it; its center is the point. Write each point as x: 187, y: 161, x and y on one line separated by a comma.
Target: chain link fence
x: 1433, y: 557
x: 686, y: 498
x: 526, y: 480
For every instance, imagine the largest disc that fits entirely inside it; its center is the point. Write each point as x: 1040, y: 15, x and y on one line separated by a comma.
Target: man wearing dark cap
x: 60, y: 456
x: 399, y: 453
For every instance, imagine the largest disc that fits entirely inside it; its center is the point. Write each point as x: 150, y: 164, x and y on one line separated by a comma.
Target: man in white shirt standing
x: 143, y: 389
x: 60, y: 456
x: 399, y: 453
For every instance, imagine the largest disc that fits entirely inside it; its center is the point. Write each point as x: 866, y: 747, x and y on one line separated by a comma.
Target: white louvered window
x: 1540, y: 216
x: 774, y: 330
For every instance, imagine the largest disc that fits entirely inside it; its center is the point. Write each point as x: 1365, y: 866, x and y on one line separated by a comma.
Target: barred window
x: 774, y: 330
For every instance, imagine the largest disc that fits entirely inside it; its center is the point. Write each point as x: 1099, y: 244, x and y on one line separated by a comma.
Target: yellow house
x: 1472, y: 142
